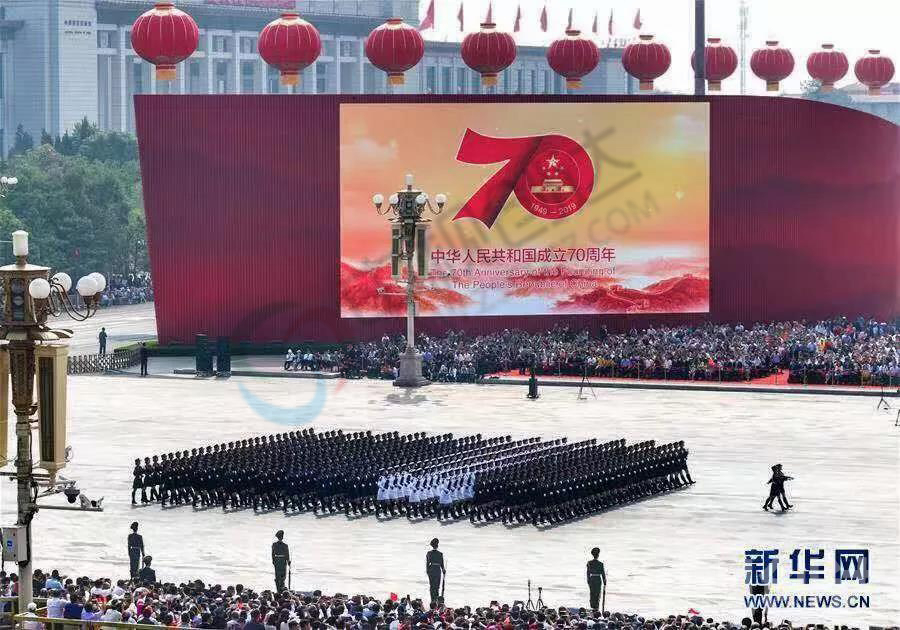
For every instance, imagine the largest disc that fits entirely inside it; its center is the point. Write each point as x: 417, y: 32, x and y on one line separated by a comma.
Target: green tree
x: 812, y: 89
x: 80, y: 211
x: 46, y: 138
x: 23, y: 142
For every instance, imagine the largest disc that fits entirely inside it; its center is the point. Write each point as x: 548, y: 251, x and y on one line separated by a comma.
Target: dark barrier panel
x: 804, y: 208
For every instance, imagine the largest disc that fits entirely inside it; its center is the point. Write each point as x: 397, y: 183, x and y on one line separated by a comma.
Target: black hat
x: 134, y: 526
x: 434, y: 542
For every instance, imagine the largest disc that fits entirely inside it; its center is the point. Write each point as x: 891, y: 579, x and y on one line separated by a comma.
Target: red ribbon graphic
x: 518, y: 153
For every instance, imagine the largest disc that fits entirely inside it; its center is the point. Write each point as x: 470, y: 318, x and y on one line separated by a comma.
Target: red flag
x: 459, y: 16
x: 691, y: 611
x: 544, y: 19
x: 569, y: 27
x: 428, y: 21
x: 610, y: 21
x: 394, y: 596
x: 637, y: 19
x: 518, y: 23
x: 489, y: 18
x: 596, y: 28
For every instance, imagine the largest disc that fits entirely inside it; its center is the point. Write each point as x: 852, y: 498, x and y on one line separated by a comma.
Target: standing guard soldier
x: 434, y: 567
x: 281, y: 558
x: 596, y: 578
x: 135, y: 550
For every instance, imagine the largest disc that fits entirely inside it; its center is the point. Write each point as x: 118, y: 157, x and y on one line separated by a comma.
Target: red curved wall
x: 241, y: 196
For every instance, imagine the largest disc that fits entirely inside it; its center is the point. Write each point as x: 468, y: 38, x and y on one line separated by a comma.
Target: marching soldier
x: 596, y: 578
x: 135, y: 550
x: 434, y: 567
x: 281, y: 559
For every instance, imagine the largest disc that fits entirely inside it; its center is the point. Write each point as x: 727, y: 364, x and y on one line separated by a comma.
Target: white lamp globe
x: 394, y: 199
x: 39, y: 289
x: 99, y: 279
x: 441, y: 198
x: 64, y: 280
x: 4, y: 180
x: 13, y: 181
x: 421, y: 198
x: 378, y: 199
x: 86, y: 286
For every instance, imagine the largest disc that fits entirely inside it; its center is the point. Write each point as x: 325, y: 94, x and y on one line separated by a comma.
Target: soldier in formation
x: 419, y: 476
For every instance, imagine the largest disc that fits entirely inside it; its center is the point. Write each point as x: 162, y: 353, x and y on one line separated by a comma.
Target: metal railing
x: 79, y: 624
x: 100, y: 363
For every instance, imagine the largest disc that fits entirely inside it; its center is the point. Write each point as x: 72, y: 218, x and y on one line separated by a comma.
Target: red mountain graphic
x: 679, y: 294
x: 359, y: 293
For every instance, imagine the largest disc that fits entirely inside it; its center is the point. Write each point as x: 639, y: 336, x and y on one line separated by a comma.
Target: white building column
x: 337, y: 65
x: 182, y: 75
x: 236, y: 61
x: 209, y: 63
x: 361, y: 55
x: 123, y: 81
x: 264, y: 76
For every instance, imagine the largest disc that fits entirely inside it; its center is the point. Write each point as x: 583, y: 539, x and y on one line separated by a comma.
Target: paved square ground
x: 667, y: 554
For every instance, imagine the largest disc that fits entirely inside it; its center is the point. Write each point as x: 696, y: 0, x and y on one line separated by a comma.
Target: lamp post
x: 31, y: 295
x: 408, y: 242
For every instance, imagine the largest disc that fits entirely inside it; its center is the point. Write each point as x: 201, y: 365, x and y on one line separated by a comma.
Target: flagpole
x: 699, y: 47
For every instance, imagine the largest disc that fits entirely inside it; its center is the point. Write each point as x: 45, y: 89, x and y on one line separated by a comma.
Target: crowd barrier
x: 100, y: 363
x: 9, y: 608
x: 79, y: 624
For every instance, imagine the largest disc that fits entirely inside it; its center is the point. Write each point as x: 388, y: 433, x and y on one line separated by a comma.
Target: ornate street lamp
x: 408, y: 242
x: 31, y: 295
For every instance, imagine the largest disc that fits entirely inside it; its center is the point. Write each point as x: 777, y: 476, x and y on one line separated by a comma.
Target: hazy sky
x: 802, y: 25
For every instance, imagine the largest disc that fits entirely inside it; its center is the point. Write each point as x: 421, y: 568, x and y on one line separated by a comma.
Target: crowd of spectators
x: 133, y: 288
x: 199, y: 605
x: 835, y: 351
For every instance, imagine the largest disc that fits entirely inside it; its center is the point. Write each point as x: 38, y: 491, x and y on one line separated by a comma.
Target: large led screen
x: 576, y: 208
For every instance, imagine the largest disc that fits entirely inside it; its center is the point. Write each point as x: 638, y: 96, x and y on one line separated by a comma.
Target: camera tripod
x: 585, y: 382
x: 530, y: 605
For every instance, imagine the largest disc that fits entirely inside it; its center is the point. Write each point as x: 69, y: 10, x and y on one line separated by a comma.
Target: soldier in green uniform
x: 596, y: 577
x: 135, y: 550
x: 434, y: 567
x: 281, y: 558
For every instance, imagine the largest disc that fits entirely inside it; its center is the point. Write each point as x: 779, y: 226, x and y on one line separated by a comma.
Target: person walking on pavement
x: 102, y: 338
x: 142, y: 353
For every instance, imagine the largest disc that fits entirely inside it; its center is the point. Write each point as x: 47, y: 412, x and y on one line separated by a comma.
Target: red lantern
x: 646, y: 60
x: 874, y: 70
x: 720, y: 62
x: 164, y: 36
x: 395, y: 47
x: 488, y: 52
x: 289, y: 44
x: 827, y: 66
x: 772, y: 64
x: 573, y: 57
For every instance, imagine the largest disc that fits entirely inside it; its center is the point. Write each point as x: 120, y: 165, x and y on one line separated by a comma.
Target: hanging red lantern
x: 720, y: 62
x: 573, y: 57
x: 488, y: 52
x: 395, y: 47
x: 772, y: 64
x: 289, y: 44
x: 646, y: 60
x: 164, y: 36
x: 828, y: 66
x: 874, y: 70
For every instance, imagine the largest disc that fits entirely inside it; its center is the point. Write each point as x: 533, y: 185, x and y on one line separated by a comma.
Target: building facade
x: 62, y: 60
